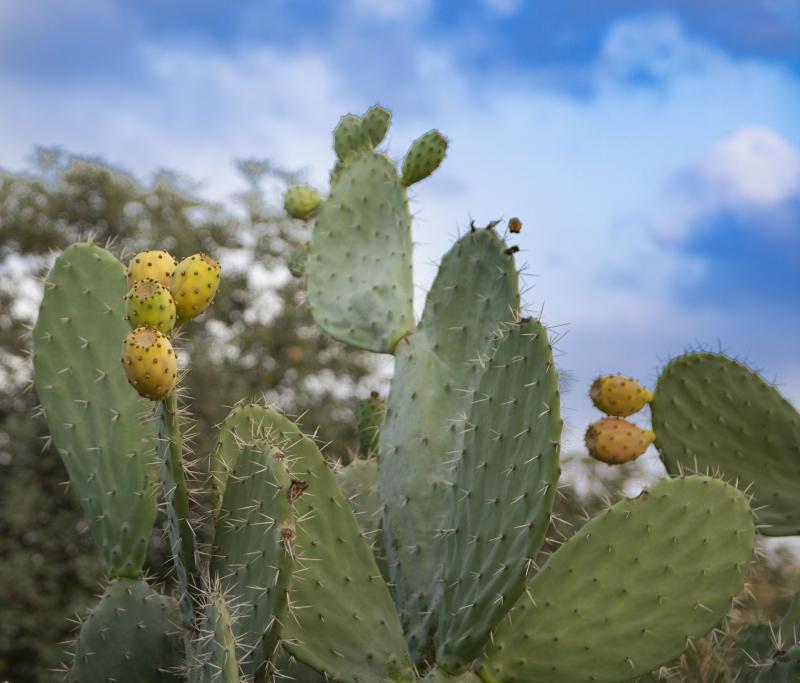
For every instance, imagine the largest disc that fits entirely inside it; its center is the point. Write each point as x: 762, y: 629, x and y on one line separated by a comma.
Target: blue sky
x: 651, y: 149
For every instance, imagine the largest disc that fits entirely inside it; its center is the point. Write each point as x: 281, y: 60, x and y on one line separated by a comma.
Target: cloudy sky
x: 652, y: 149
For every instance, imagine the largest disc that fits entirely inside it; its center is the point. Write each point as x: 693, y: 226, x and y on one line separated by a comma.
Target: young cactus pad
x: 217, y: 643
x: 425, y: 155
x: 358, y: 271
x: 505, y: 488
x: 712, y: 413
x: 95, y: 419
x: 475, y: 290
x: 627, y: 591
x: 132, y: 635
x: 342, y: 621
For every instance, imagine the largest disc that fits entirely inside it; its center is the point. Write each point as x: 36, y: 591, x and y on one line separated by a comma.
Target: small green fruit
x: 301, y: 201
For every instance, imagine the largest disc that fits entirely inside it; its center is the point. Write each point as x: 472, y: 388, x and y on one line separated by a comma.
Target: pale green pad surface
x: 505, y: 489
x: 249, y: 558
x: 217, y: 645
x: 341, y: 618
x: 712, y: 413
x: 94, y: 416
x: 475, y: 290
x: 622, y: 596
x: 133, y: 635
x: 358, y: 271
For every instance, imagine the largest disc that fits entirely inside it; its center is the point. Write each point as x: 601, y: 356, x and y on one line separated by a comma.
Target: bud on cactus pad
x: 515, y: 225
x: 375, y: 124
x: 424, y: 157
x: 194, y: 285
x: 150, y: 363
x: 155, y: 265
x: 619, y: 396
x: 614, y: 441
x: 301, y: 201
x: 150, y: 303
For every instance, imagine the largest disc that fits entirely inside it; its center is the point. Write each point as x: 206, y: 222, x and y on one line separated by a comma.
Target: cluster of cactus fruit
x: 429, y: 565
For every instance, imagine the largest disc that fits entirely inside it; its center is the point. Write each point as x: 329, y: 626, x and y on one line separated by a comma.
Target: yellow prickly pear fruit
x: 150, y: 363
x: 154, y: 265
x: 150, y: 303
x: 614, y: 441
x: 515, y: 225
x: 194, y: 285
x: 301, y: 201
x: 619, y: 396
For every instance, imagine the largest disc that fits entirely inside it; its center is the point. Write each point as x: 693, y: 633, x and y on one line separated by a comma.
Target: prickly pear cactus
x: 505, y: 487
x: 436, y: 369
x: 194, y: 285
x: 95, y: 419
x: 369, y: 418
x: 614, y: 441
x: 619, y: 396
x: 424, y: 157
x: 132, y: 635
x: 150, y: 303
x: 628, y: 591
x: 150, y: 363
x: 711, y: 413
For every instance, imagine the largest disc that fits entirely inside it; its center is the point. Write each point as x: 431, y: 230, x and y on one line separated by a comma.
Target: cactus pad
x: 475, y: 290
x: 153, y: 265
x: 369, y: 418
x: 619, y: 396
x: 150, y: 363
x: 251, y: 556
x: 301, y: 201
x: 626, y: 592
x: 505, y: 488
x: 95, y: 419
x: 710, y: 412
x: 132, y: 635
x: 615, y: 441
x: 358, y: 273
x: 194, y: 285
x: 150, y: 303
x: 375, y: 124
x: 423, y: 157
x: 341, y: 619
x: 217, y: 642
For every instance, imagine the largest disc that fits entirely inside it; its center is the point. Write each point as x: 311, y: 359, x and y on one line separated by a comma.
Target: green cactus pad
x: 217, y: 643
x: 369, y: 418
x: 349, y: 137
x: 712, y: 413
x: 132, y: 635
x: 784, y: 668
x: 505, y: 489
x: 96, y: 419
x: 301, y: 201
x: 375, y: 124
x: 626, y: 592
x: 251, y: 557
x: 423, y: 157
x: 358, y: 274
x: 359, y: 484
x: 475, y: 290
x: 297, y: 261
x: 341, y: 619
x: 439, y: 676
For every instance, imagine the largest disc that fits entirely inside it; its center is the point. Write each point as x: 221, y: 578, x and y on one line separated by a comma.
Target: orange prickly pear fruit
x: 614, y: 441
x: 515, y: 225
x: 619, y: 396
x: 194, y: 285
x: 155, y: 265
x: 150, y: 303
x: 150, y: 363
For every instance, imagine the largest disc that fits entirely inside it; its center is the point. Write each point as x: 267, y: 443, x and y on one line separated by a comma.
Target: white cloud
x: 753, y: 167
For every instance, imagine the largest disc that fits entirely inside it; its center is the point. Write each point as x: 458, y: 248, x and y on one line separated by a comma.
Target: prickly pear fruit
x: 194, y: 285
x: 349, y: 137
x: 375, y: 124
x: 619, y: 396
x: 369, y: 418
x: 155, y: 265
x: 150, y: 303
x: 423, y: 157
x: 297, y: 261
x: 515, y: 225
x: 301, y: 201
x: 614, y: 441
x: 149, y: 362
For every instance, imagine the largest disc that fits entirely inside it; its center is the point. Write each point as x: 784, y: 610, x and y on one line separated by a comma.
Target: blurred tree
x: 259, y: 340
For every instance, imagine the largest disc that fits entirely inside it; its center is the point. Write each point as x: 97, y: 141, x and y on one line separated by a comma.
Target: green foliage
x: 712, y: 413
